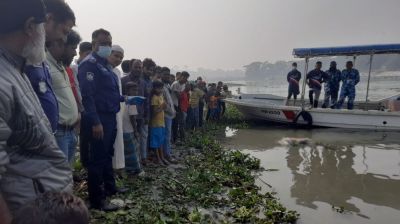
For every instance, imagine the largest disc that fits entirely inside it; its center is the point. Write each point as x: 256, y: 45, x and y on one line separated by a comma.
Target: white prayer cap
x: 117, y: 48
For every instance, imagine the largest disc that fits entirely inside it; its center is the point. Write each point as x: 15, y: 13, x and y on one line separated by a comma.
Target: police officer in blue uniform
x: 101, y: 99
x: 350, y: 78
x: 293, y: 78
x: 315, y: 78
x: 40, y: 79
x: 332, y: 85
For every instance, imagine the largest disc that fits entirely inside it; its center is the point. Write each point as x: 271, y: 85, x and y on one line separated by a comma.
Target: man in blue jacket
x: 293, y: 79
x: 350, y: 78
x: 332, y: 85
x: 315, y: 78
x: 101, y: 99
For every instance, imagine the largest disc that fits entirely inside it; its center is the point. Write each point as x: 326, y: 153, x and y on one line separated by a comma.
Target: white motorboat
x: 382, y: 115
x: 371, y: 116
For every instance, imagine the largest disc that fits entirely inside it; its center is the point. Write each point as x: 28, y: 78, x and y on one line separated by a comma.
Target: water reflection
x: 357, y: 170
x: 230, y: 132
x: 329, y: 176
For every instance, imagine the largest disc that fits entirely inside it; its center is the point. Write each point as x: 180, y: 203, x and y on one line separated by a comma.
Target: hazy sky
x: 228, y: 34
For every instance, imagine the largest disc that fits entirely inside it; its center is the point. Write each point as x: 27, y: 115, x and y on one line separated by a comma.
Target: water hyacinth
x: 209, y: 185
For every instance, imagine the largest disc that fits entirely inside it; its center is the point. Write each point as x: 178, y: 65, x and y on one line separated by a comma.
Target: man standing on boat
x: 315, y: 78
x: 350, y: 78
x: 332, y: 85
x: 293, y: 79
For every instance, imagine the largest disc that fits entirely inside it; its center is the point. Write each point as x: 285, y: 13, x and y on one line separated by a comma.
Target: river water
x: 359, y: 171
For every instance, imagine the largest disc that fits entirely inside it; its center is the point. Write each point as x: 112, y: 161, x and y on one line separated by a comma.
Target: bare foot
x: 165, y: 162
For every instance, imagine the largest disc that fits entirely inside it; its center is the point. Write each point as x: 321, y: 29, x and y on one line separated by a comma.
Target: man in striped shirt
x: 30, y: 160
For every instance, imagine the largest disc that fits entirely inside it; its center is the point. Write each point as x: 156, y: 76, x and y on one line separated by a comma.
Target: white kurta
x: 119, y: 155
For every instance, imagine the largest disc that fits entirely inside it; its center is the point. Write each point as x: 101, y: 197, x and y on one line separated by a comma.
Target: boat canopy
x: 347, y: 51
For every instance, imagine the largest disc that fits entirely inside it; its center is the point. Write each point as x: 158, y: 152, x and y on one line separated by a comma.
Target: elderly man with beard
x: 115, y: 60
x: 30, y: 160
x: 60, y: 21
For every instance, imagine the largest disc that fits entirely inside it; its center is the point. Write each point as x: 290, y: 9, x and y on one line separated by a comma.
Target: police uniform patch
x: 90, y: 76
x: 42, y: 87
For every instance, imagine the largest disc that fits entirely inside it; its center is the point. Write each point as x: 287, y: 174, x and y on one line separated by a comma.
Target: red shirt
x: 213, y: 102
x: 184, y: 101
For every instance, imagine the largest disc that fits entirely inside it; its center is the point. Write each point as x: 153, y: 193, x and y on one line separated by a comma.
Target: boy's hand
x: 164, y: 106
x: 136, y: 134
x: 98, y: 132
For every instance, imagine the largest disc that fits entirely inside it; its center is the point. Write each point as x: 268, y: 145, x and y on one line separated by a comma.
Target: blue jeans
x: 168, y: 135
x: 132, y: 164
x: 67, y: 141
x: 193, y: 118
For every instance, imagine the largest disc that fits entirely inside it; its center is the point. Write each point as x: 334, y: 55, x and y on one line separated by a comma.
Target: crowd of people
x: 50, y: 103
x: 331, y: 79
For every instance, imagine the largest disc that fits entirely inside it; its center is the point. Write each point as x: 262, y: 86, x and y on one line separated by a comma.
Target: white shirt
x: 176, y: 87
x: 126, y: 122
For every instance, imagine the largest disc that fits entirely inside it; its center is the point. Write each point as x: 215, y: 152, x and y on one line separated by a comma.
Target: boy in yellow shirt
x: 157, y: 122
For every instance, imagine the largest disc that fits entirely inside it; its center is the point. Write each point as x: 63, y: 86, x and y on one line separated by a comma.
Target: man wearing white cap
x: 115, y: 59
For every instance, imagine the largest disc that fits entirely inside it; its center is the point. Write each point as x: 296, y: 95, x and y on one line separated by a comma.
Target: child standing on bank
x: 157, y: 123
x: 131, y: 134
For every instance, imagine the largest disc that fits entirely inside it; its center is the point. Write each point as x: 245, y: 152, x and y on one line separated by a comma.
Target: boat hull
x: 272, y: 108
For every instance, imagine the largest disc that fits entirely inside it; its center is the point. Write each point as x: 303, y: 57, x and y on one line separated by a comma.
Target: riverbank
x: 210, y: 184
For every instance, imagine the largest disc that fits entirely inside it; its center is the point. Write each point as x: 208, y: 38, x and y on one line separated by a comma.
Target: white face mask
x: 34, y: 51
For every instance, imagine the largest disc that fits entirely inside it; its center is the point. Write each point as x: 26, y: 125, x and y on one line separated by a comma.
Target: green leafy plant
x: 208, y: 180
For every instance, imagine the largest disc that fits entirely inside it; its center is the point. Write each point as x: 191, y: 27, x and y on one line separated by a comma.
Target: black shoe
x: 107, y: 207
x: 122, y: 190
x: 116, y: 191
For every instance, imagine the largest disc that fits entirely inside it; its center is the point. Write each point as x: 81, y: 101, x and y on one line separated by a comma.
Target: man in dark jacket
x: 332, y: 85
x: 293, y: 79
x: 315, y: 78
x: 101, y: 99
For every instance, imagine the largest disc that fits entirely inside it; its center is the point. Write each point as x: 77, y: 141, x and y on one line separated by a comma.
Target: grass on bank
x: 209, y: 185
